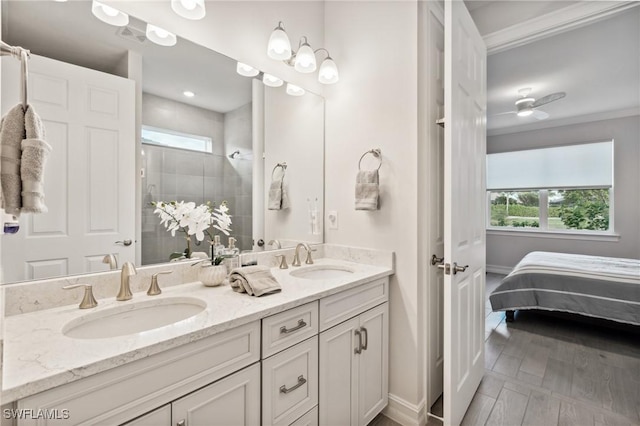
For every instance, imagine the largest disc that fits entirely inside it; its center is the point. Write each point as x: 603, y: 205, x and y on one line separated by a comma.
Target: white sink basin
x: 322, y: 272
x: 131, y: 318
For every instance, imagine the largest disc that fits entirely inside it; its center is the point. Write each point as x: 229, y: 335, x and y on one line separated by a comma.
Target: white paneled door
x: 464, y: 224
x: 89, y: 183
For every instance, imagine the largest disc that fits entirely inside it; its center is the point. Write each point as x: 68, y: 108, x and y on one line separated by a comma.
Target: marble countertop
x: 38, y: 356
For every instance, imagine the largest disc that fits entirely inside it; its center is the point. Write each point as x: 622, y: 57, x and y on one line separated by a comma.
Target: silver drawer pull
x: 181, y: 423
x: 365, y: 334
x: 301, y: 324
x: 358, y: 350
x: 301, y: 381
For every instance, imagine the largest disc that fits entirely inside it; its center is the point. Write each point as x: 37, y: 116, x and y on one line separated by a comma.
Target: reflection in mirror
x: 99, y: 90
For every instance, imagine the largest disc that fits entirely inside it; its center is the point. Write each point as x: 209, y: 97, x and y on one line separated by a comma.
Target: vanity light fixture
x: 189, y: 9
x: 188, y: 93
x: 109, y: 14
x: 246, y: 70
x: 294, y: 90
x: 279, y: 46
x: 160, y: 36
x: 271, y: 80
x: 304, y: 60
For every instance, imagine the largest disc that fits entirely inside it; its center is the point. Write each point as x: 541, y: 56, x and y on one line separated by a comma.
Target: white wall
x: 506, y: 251
x: 241, y: 29
x: 375, y: 106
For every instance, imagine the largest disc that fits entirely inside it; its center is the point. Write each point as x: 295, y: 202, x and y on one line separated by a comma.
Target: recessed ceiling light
x: 246, y: 70
x: 188, y: 93
x: 271, y: 80
x: 108, y: 14
x: 160, y: 36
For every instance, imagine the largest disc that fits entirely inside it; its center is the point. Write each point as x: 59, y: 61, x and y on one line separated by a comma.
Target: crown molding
x: 565, y: 19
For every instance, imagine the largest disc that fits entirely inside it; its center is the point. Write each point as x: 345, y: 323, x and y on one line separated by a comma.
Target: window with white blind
x: 564, y: 188
x: 172, y: 139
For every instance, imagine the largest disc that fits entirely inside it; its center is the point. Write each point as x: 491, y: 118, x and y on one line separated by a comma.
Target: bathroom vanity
x: 315, y: 353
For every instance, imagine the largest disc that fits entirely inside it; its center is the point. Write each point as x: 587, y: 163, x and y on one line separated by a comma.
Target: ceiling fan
x: 527, y: 105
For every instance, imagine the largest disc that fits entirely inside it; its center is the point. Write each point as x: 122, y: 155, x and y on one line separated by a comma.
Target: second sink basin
x: 133, y: 318
x: 322, y: 272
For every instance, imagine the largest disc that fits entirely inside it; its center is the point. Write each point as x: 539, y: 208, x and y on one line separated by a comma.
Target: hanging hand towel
x: 278, y: 196
x: 254, y: 280
x: 35, y: 151
x: 367, y: 190
x: 11, y: 134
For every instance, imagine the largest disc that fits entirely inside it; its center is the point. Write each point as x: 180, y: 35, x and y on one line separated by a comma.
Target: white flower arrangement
x: 193, y: 220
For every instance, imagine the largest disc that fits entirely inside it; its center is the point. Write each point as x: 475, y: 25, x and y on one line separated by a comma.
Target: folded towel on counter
x: 254, y: 280
x: 367, y: 190
x: 11, y: 134
x: 278, y: 196
x: 35, y: 151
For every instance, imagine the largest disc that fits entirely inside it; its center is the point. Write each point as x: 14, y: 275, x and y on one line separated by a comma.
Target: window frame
x: 208, y: 141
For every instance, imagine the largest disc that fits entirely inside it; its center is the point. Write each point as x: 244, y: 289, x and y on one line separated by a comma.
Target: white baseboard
x: 406, y: 413
x: 498, y: 269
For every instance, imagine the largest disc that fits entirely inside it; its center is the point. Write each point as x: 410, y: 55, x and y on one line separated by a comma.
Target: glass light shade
x: 524, y: 112
x: 279, y: 46
x: 160, y: 36
x: 189, y: 9
x: 271, y: 80
x: 109, y: 15
x: 328, y: 73
x: 305, y: 59
x: 294, y: 90
x: 246, y: 70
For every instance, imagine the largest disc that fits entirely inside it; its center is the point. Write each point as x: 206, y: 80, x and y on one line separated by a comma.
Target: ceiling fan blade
x: 504, y: 113
x: 540, y: 115
x: 549, y: 98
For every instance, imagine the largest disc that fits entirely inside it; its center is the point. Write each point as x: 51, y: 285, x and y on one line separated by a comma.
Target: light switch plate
x: 332, y: 219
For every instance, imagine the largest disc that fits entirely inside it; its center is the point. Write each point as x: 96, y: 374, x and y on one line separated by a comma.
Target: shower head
x: 234, y: 154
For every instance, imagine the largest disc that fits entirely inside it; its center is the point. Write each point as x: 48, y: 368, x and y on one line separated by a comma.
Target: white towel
x: 11, y: 134
x: 278, y: 196
x: 35, y: 151
x: 254, y: 280
x: 367, y: 190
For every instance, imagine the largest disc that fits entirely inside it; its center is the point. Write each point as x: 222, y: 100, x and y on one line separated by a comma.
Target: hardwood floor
x: 554, y: 370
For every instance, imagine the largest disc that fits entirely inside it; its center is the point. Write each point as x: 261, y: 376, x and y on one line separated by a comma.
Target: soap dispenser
x: 232, y: 255
x: 218, y: 248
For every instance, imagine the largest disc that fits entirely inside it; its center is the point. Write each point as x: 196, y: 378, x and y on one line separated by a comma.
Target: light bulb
x: 272, y: 80
x: 160, y: 36
x: 305, y: 59
x: 279, y: 46
x: 328, y: 73
x: 109, y: 14
x: 525, y: 112
x: 188, y: 4
x: 294, y: 90
x: 246, y: 70
x: 189, y: 9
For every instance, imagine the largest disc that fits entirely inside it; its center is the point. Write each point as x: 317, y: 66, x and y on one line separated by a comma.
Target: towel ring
x: 282, y: 165
x: 376, y: 153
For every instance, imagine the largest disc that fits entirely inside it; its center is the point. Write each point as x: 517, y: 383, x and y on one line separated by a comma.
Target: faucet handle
x: 88, y: 301
x: 309, y: 260
x: 154, y: 288
x: 283, y: 261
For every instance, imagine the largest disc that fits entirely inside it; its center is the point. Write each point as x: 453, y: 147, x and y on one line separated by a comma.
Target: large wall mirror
x: 126, y: 132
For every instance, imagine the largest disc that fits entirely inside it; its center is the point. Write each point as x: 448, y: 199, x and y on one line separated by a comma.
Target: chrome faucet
x: 112, y: 260
x: 275, y: 243
x: 296, y: 257
x: 125, y: 289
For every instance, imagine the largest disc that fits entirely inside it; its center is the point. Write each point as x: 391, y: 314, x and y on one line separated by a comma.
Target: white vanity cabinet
x: 354, y: 357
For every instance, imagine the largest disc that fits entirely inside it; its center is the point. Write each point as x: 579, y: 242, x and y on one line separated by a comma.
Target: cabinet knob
x: 182, y: 422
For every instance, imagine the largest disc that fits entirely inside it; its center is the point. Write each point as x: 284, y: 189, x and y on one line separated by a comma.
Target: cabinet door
x: 159, y: 417
x: 232, y: 401
x: 338, y: 374
x: 373, y: 369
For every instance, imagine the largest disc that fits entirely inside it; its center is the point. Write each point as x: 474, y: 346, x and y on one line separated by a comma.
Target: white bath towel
x: 254, y: 280
x: 35, y: 151
x: 11, y: 134
x: 367, y: 190
x: 278, y: 196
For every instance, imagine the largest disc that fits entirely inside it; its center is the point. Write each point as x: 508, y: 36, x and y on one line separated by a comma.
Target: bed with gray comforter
x: 603, y: 287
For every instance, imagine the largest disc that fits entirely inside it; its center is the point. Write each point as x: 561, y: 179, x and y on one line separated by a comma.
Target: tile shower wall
x: 175, y: 174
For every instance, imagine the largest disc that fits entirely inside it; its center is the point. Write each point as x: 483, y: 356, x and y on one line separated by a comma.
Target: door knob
x: 456, y: 268
x: 435, y: 260
x: 126, y: 243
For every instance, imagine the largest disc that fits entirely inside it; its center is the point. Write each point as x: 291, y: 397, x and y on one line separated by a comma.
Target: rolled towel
x: 278, y: 195
x: 11, y: 134
x: 367, y: 190
x: 35, y: 151
x: 254, y: 280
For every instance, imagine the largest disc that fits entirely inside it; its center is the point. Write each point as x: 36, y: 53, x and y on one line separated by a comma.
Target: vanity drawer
x: 309, y: 419
x: 120, y: 394
x: 347, y: 304
x: 290, y: 383
x: 287, y: 328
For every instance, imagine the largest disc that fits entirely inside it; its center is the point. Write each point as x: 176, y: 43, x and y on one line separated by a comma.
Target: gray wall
x: 175, y: 174
x: 506, y: 251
